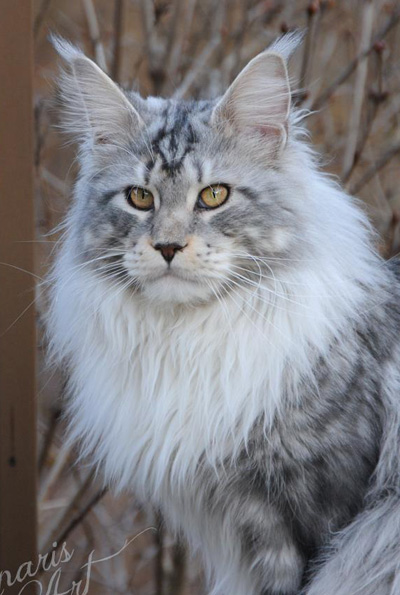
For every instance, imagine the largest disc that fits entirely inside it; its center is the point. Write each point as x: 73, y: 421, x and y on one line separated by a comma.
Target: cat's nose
x: 168, y: 251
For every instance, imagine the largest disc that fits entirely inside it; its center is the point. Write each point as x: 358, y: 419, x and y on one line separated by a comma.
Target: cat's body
x: 237, y: 367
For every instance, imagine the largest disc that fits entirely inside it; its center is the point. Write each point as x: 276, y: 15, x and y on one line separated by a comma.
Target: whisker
x: 223, y: 306
x: 275, y: 293
x: 77, y: 268
x: 284, y: 282
x: 19, y: 316
x: 290, y: 340
x: 13, y: 266
x: 272, y: 258
x: 227, y: 283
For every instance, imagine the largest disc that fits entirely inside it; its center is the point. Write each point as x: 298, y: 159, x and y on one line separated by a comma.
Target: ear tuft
x: 64, y: 48
x: 287, y: 44
x: 95, y: 109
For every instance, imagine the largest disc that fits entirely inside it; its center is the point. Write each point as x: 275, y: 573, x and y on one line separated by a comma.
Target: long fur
x: 191, y: 391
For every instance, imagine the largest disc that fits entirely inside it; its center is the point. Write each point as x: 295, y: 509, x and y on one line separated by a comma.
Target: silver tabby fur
x: 249, y: 388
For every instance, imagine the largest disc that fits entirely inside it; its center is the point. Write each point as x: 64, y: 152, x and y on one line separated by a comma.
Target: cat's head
x: 184, y: 200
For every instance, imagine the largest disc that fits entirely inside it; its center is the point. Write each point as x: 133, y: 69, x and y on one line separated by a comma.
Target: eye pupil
x: 213, y: 196
x: 140, y: 198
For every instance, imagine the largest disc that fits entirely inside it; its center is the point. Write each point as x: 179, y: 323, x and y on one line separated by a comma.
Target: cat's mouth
x: 176, y: 287
x: 175, y: 274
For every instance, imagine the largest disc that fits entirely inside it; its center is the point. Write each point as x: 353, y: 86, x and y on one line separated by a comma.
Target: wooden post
x: 17, y: 334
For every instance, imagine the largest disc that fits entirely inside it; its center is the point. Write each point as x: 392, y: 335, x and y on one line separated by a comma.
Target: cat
x: 230, y: 334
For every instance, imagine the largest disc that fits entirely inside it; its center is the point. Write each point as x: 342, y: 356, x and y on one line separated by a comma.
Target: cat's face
x: 182, y: 201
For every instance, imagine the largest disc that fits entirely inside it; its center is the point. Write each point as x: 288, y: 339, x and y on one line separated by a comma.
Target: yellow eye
x: 141, y: 198
x: 213, y: 196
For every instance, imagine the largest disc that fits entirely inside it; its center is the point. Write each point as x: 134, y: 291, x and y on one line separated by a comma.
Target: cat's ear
x: 258, y: 102
x: 94, y: 107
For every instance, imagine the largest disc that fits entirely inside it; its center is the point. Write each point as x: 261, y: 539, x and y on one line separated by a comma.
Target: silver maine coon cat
x: 231, y: 336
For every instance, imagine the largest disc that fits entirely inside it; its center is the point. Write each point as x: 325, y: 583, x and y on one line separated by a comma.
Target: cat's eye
x: 213, y: 196
x: 140, y: 198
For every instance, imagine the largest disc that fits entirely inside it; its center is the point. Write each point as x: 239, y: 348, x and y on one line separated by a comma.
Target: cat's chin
x: 171, y: 289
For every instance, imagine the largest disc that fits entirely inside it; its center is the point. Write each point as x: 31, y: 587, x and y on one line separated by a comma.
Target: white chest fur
x: 153, y: 390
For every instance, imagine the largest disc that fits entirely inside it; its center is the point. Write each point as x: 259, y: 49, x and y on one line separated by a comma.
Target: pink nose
x: 168, y: 251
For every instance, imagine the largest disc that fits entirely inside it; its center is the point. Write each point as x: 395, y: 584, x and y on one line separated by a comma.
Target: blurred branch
x: 375, y: 168
x: 376, y: 99
x: 116, y: 64
x: 48, y: 439
x: 159, y: 559
x: 177, y: 578
x: 148, y: 19
x: 55, y: 182
x: 348, y: 71
x: 81, y: 516
x: 390, y: 248
x: 368, y: 12
x: 40, y: 134
x: 197, y: 67
x: 205, y: 55
x: 87, y: 529
x: 57, y: 528
x: 94, y: 32
x: 313, y: 16
x: 156, y: 72
x: 55, y: 471
x: 132, y: 83
x: 52, y: 426
x: 181, y: 23
x: 366, y: 131
x: 43, y: 8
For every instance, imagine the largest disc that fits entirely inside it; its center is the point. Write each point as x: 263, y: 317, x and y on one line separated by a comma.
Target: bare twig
x: 375, y: 168
x: 197, y: 67
x: 116, y: 64
x: 159, y: 559
x: 52, y: 426
x: 80, y: 517
x: 182, y: 19
x: 94, y: 32
x: 390, y: 249
x: 362, y: 143
x: 313, y: 14
x: 132, y: 83
x: 348, y: 71
x: 57, y: 528
x: 359, y: 87
x: 87, y: 529
x: 45, y: 5
x: 206, y: 54
x: 55, y: 472
x: 376, y: 99
x: 176, y: 33
x: 55, y: 182
x: 177, y: 578
x: 151, y: 43
x: 236, y: 35
x: 39, y: 135
x: 48, y: 439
